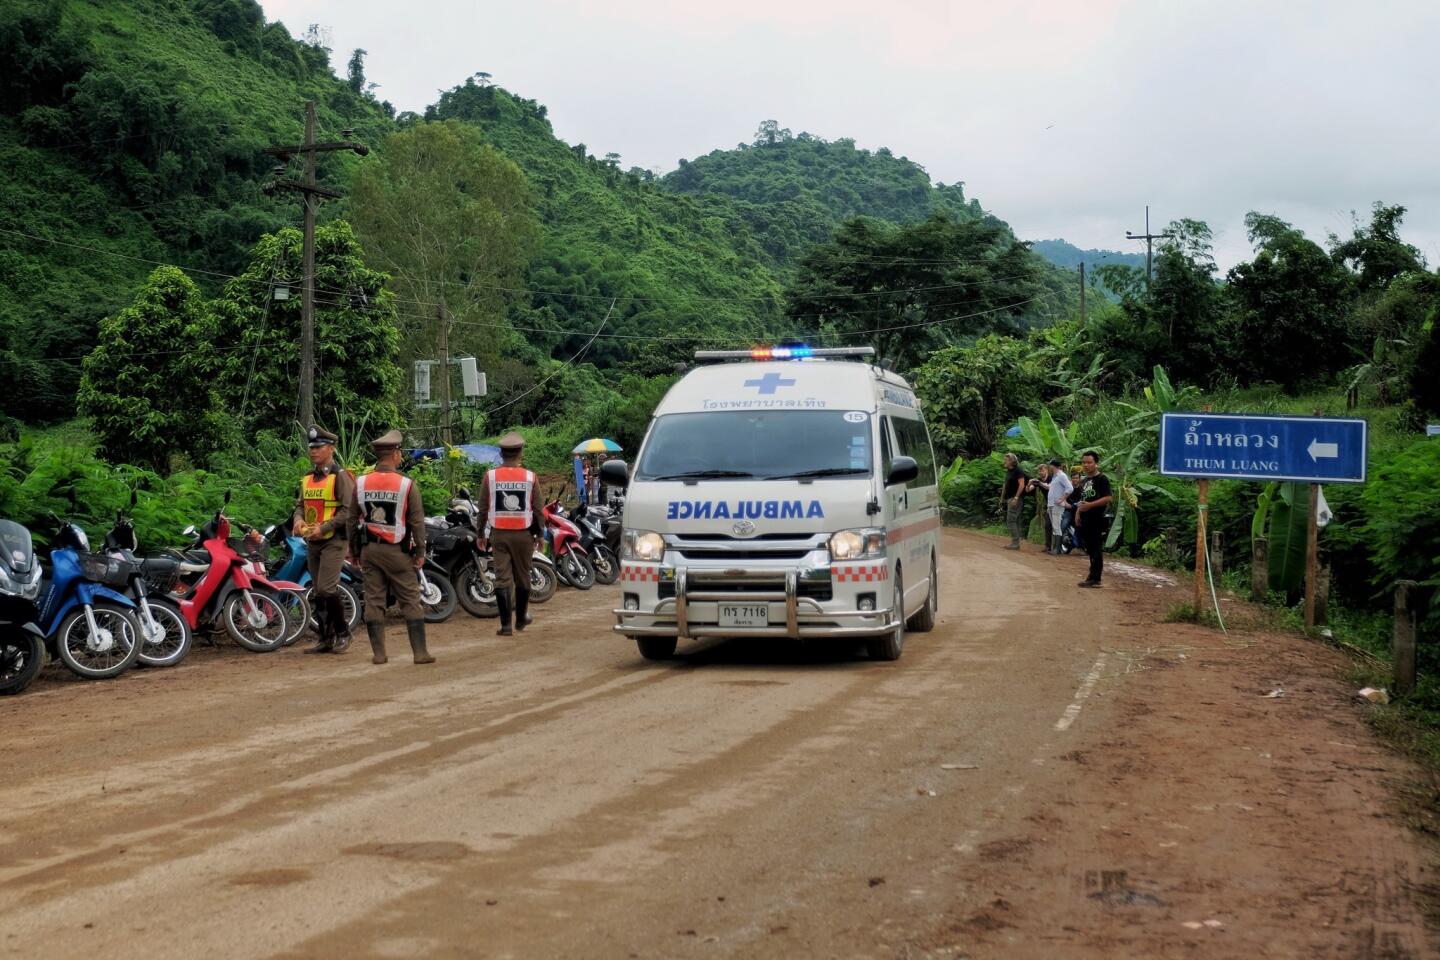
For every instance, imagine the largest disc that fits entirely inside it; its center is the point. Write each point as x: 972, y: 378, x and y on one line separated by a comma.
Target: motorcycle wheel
x: 579, y: 570
x: 607, y: 568
x: 438, y: 601
x: 543, y: 583
x: 22, y: 654
x: 168, y: 641
x: 270, y: 627
x: 476, y: 591
x: 297, y: 612
x: 119, y: 635
x: 349, y: 599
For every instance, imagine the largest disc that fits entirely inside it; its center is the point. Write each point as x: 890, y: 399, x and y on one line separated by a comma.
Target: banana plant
x: 1289, y: 519
x: 1046, y: 440
x: 1130, y: 476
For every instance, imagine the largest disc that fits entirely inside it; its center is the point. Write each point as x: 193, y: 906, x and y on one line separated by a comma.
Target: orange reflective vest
x: 510, y: 495
x: 317, y: 496
x: 382, y: 497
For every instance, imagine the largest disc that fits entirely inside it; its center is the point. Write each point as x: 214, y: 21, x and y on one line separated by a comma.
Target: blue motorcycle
x: 291, y: 566
x: 22, y: 643
x: 88, y: 624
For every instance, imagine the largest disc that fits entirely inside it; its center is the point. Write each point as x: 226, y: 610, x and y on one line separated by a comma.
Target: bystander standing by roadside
x: 1011, y: 498
x: 1093, y: 497
x: 1057, y: 487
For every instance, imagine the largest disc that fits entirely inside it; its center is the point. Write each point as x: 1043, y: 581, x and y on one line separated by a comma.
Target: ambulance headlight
x: 864, y: 544
x: 642, y: 545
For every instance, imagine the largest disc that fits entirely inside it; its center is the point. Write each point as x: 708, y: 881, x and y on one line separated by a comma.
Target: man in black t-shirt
x: 1011, y: 495
x: 1092, y: 496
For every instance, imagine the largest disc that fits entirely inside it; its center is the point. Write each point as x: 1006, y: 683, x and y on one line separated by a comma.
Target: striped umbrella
x: 597, y: 445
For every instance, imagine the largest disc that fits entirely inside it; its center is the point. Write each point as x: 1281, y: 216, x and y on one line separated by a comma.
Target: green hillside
x: 1062, y: 253
x: 136, y: 129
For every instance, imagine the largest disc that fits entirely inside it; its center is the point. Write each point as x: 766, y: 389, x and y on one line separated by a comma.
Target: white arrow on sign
x: 1318, y: 450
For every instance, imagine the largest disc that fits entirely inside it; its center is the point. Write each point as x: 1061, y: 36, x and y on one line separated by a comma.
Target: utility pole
x: 1082, y: 293
x: 1149, y: 239
x: 445, y: 436
x: 311, y: 192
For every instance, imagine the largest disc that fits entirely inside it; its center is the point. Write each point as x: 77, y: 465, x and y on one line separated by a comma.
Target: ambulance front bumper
x: 698, y: 594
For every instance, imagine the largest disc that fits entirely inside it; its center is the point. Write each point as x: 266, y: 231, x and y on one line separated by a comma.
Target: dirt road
x: 1050, y: 773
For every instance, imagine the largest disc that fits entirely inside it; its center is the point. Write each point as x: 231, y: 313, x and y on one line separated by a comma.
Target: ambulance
x: 787, y: 491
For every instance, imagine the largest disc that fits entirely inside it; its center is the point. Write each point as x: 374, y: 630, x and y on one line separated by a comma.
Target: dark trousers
x: 1092, y: 535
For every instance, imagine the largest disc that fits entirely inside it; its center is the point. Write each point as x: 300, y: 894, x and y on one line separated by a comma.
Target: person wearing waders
x: 392, y: 528
x: 510, y: 521
x: 324, y: 516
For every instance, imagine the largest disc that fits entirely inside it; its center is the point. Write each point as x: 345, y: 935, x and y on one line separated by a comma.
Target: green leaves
x: 1289, y: 519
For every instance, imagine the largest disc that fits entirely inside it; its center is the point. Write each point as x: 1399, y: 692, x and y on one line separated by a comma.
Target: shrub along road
x: 1049, y: 773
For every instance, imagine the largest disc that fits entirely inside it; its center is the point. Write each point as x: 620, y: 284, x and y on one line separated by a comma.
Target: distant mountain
x: 1062, y: 253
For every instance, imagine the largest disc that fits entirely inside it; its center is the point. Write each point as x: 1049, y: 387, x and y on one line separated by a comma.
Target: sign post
x: 1242, y: 446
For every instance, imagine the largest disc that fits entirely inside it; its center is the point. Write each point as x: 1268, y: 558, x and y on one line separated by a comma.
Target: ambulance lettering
x: 744, y: 510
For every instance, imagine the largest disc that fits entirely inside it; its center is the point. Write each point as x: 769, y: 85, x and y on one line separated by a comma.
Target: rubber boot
x: 1055, y: 545
x: 502, y: 602
x: 522, y: 608
x: 340, y: 641
x: 325, y: 639
x: 377, y: 642
x: 417, y: 641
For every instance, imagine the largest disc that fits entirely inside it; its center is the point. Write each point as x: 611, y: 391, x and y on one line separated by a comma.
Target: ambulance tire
x: 924, y: 621
x: 890, y: 646
x: 656, y: 648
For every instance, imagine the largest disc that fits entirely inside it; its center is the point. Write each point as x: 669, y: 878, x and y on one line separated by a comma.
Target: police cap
x: 319, y: 437
x: 511, y: 441
x: 388, y: 441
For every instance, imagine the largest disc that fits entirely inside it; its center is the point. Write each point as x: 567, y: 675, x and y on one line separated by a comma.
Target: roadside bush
x: 1402, y: 522
x: 971, y: 494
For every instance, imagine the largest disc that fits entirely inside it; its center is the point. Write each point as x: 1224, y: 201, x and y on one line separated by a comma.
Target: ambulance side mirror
x: 902, y: 470
x: 614, y: 473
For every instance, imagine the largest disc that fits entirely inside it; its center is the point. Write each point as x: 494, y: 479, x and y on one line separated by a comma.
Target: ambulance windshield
x: 766, y: 445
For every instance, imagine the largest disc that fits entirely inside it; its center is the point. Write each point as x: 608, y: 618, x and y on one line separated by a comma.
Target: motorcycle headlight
x: 642, y: 545
x: 865, y: 544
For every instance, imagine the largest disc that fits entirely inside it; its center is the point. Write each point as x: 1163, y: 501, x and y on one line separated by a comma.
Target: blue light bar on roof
x: 798, y: 352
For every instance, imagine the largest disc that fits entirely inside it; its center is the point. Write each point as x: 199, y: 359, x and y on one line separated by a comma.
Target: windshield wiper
x: 824, y: 472
x: 702, y: 475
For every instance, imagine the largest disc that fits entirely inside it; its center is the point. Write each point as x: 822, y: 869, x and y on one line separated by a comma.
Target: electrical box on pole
x: 471, y: 379
x: 422, y: 383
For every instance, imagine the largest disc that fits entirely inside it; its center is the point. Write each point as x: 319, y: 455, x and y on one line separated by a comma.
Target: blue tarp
x: 474, y: 452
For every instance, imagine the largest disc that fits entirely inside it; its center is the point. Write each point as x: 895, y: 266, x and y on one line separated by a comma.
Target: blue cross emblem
x: 768, y: 383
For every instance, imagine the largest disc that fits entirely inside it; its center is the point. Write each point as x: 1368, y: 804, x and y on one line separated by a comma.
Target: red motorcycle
x: 572, y: 560
x: 230, y: 593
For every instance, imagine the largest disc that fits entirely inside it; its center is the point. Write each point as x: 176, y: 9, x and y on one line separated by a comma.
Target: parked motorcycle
x: 22, y: 642
x: 228, y: 593
x: 572, y: 560
x: 88, y: 624
x: 452, y: 542
x: 290, y: 565
x: 588, y: 520
x: 165, y: 634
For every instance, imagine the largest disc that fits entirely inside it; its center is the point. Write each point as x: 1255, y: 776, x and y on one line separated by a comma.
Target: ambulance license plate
x: 744, y: 614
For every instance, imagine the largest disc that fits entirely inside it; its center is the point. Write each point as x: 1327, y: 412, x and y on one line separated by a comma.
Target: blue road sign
x: 1242, y: 446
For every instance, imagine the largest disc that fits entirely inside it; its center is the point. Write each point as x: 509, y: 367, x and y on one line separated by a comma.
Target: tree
x: 356, y: 71
x: 972, y: 393
x: 449, y: 217
x: 357, y: 334
x: 1377, y: 253
x: 770, y: 133
x: 148, y: 386
x: 1293, y: 302
x: 908, y: 290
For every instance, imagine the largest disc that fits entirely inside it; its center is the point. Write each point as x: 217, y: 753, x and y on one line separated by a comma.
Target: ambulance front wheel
x: 890, y: 646
x: 656, y: 648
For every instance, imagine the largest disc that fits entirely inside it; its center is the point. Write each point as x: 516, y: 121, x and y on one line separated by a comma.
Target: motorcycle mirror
x: 614, y: 473
x: 464, y: 493
x: 134, y: 498
x: 227, y: 498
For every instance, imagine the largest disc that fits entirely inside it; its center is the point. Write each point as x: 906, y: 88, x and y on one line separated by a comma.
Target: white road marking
x: 1081, y: 695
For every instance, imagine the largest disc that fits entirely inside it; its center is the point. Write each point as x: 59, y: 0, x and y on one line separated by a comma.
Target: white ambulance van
x: 781, y: 492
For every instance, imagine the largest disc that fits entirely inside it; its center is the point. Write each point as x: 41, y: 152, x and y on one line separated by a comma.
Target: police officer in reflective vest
x: 510, y: 519
x: 392, y: 529
x: 324, y: 516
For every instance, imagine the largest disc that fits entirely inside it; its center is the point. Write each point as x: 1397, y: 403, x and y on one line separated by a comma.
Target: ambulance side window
x: 915, y: 443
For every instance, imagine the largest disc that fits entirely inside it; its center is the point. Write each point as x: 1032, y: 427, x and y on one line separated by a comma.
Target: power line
x: 129, y: 356
x: 556, y: 372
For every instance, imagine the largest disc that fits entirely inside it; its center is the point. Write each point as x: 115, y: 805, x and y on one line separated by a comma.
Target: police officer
x: 392, y: 527
x: 510, y: 519
x: 324, y: 516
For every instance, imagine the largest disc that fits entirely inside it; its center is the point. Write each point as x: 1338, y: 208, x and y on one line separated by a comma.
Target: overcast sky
x: 1065, y: 119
